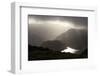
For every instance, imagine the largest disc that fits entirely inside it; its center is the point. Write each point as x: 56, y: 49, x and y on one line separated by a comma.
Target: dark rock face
x: 55, y: 45
x: 74, y: 38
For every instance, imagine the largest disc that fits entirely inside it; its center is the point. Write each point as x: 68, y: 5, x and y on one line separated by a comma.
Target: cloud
x: 42, y: 28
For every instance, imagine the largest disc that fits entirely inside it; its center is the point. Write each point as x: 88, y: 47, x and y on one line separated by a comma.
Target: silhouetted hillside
x: 84, y: 53
x: 55, y: 45
x: 40, y: 53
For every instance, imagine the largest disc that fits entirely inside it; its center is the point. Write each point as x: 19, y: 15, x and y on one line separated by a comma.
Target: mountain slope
x: 74, y: 38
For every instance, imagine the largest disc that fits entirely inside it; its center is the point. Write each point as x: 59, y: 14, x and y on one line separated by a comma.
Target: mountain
x: 74, y: 38
x: 55, y: 45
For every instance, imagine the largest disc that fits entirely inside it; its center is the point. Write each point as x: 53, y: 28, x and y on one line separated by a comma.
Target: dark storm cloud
x: 43, y: 28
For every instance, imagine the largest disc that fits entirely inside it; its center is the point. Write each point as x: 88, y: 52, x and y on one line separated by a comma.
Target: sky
x: 42, y: 27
